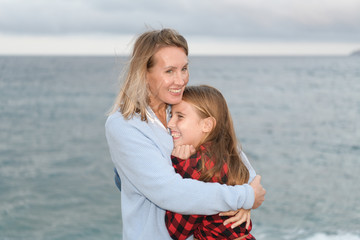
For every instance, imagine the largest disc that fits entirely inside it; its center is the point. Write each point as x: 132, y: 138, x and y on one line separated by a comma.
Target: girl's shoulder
x: 205, y: 148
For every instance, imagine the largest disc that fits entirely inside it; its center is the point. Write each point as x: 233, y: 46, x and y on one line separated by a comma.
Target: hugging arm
x: 139, y: 159
x: 243, y: 215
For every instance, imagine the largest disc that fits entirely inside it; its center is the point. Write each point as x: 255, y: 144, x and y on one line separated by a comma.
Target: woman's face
x: 187, y: 128
x: 168, y: 77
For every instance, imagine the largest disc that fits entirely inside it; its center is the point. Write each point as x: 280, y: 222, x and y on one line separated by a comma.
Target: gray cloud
x: 301, y: 20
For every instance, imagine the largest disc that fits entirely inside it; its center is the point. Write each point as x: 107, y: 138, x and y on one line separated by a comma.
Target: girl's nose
x: 170, y: 124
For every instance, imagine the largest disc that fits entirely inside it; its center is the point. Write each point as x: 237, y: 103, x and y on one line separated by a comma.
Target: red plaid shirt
x: 202, y: 226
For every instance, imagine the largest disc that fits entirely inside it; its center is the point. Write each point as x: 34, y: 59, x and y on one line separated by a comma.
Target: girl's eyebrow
x: 178, y: 112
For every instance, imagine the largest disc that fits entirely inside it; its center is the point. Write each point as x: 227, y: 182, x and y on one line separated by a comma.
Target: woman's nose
x: 180, y: 79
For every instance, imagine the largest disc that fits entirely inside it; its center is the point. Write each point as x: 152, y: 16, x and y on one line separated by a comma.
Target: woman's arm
x: 245, y: 160
x: 141, y: 162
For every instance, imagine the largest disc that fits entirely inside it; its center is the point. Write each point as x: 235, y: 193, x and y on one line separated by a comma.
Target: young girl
x: 202, y: 119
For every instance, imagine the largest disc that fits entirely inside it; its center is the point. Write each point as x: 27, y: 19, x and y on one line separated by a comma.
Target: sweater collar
x: 151, y: 116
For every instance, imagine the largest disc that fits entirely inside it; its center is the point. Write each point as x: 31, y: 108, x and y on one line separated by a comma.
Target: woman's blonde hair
x: 209, y: 102
x: 133, y: 96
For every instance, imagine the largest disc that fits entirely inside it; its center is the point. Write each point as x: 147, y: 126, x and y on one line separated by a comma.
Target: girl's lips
x: 175, y: 135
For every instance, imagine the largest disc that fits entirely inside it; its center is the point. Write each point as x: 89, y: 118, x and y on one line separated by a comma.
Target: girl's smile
x: 187, y: 128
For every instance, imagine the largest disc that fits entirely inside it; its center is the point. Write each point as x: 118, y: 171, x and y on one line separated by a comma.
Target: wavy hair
x: 133, y: 96
x: 224, y: 147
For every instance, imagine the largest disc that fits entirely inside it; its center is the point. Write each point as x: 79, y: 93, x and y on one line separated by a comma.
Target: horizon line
x: 190, y: 55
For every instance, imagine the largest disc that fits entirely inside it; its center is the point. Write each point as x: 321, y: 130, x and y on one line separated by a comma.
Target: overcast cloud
x: 315, y: 20
x: 241, y: 20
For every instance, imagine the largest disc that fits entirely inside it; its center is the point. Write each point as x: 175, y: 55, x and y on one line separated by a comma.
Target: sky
x: 211, y: 27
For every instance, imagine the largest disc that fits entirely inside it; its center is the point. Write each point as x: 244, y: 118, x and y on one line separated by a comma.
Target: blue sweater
x: 141, y: 153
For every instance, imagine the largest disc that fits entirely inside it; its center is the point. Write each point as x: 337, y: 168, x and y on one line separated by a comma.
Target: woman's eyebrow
x: 173, y: 67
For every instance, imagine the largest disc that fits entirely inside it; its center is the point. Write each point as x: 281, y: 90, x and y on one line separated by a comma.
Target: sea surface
x: 298, y: 119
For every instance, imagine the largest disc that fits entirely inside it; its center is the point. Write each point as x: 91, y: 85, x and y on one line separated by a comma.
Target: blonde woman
x: 140, y: 144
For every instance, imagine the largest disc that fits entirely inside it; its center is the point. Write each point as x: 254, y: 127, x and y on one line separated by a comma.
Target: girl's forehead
x: 183, y: 107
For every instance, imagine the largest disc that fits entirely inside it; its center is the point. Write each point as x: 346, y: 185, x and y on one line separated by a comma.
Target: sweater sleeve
x: 141, y: 161
x: 248, y: 165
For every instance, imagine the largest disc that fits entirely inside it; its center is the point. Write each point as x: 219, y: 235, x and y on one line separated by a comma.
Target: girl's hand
x: 237, y: 217
x: 183, y: 151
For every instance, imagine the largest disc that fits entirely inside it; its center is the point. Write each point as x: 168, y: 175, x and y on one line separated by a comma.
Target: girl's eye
x: 180, y: 116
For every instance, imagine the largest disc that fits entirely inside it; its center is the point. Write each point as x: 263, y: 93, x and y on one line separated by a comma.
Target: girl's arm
x: 139, y: 160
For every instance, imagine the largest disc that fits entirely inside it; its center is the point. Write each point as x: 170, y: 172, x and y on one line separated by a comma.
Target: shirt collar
x: 151, y: 116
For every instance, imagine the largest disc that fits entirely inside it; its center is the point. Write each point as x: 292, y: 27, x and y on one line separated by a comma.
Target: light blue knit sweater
x: 141, y: 152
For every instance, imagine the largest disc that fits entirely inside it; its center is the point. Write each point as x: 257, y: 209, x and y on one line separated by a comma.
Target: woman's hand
x: 183, y: 151
x: 259, y: 191
x: 237, y: 217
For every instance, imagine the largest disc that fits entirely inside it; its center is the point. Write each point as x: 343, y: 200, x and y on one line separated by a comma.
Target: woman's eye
x: 184, y: 69
x: 169, y: 71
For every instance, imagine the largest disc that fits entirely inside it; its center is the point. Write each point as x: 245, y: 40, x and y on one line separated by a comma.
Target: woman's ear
x: 208, y: 124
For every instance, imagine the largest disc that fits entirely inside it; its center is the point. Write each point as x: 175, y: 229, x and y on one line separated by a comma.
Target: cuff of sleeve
x: 249, y: 197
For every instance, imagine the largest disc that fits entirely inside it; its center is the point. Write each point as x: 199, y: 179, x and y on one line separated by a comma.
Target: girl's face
x: 168, y: 77
x: 186, y: 125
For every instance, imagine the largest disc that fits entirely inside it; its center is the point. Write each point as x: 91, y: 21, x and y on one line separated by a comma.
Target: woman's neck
x: 160, y: 112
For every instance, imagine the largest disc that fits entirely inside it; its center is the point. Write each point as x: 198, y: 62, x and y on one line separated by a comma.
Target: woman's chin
x: 174, y: 99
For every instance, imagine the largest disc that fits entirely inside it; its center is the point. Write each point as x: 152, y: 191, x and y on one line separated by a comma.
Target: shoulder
x: 204, y: 153
x: 247, y: 163
x: 116, y: 124
x: 116, y: 119
x: 113, y: 118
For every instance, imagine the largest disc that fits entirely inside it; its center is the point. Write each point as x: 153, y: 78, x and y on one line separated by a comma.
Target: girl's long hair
x: 133, y: 96
x: 224, y: 148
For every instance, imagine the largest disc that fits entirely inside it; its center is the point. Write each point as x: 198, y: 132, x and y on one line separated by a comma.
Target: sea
x: 297, y: 118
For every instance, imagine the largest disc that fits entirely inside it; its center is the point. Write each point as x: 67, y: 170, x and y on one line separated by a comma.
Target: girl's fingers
x: 186, y: 152
x: 192, y: 149
x: 233, y: 219
x: 236, y: 221
x: 239, y: 222
x: 183, y: 151
x: 248, y: 222
x: 239, y: 218
x: 228, y: 213
x: 175, y: 151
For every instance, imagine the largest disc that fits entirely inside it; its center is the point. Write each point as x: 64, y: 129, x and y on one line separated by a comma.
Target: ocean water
x: 298, y: 119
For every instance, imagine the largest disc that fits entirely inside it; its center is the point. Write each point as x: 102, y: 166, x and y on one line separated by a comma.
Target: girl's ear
x: 208, y: 124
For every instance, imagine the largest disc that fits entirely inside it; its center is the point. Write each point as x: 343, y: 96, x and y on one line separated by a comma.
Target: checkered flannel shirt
x: 202, y: 226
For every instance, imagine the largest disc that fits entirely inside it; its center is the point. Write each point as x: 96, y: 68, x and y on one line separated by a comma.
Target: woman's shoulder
x: 118, y: 118
x: 116, y: 122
